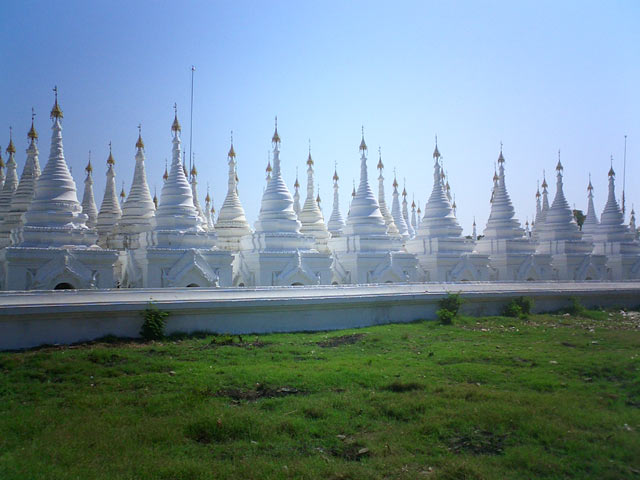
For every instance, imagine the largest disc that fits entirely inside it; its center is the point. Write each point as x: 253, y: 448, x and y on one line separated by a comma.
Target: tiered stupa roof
x: 612, y: 227
x: 89, y: 207
x: 10, y: 182
x: 591, y: 222
x: 110, y: 211
x: 438, y: 220
x: 138, y: 210
x: 26, y: 187
x: 388, y: 219
x: 502, y: 223
x: 311, y: 219
x: 336, y: 222
x: 559, y: 223
x: 232, y: 223
x: 54, y: 217
x: 405, y: 213
x: 176, y: 210
x: 276, y: 210
x: 396, y: 213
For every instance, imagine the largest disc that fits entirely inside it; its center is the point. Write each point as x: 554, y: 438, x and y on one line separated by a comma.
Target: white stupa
x: 512, y: 256
x: 386, y: 213
x: 232, y: 223
x: 194, y: 193
x: 614, y: 239
x: 296, y: 196
x: 89, y: 207
x: 560, y: 237
x: 632, y: 224
x: 310, y: 217
x: 10, y: 181
x: 541, y: 215
x: 138, y: 209
x: 110, y: 211
x: 444, y: 255
x: 24, y: 193
x: 590, y: 225
x: 405, y: 213
x: 336, y: 222
x: 277, y: 253
x: 55, y: 248
x: 2, y: 165
x: 207, y: 212
x: 365, y: 253
x: 179, y: 252
x: 414, y: 222
x: 396, y: 213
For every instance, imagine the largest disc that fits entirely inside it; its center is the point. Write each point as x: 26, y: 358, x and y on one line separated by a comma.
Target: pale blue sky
x: 539, y: 76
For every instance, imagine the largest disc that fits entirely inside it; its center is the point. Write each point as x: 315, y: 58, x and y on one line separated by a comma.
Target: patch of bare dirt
x: 342, y: 340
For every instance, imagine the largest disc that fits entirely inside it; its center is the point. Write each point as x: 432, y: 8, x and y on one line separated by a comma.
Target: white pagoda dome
x: 336, y: 222
x: 110, y: 211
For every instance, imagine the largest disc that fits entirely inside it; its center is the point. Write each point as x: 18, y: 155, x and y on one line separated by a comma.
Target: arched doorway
x: 64, y: 286
x: 193, y: 285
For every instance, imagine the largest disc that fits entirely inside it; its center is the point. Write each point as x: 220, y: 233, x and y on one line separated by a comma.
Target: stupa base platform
x: 282, y: 268
x: 28, y: 268
x: 374, y: 267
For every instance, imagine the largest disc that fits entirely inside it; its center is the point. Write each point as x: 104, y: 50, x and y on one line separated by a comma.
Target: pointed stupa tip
x: 56, y: 111
x: 269, y: 169
x: 559, y: 166
x: 544, y: 181
x: 110, y: 160
x: 175, y: 126
x: 122, y: 194
x: 140, y: 143
x: 611, y: 172
x: 194, y: 171
x: 589, y: 187
x: 353, y: 192
x: 309, y: 159
x: 335, y: 174
x: 208, y: 197
x: 165, y: 176
x: 419, y: 211
x: 1, y: 161
x: 276, y: 138
x: 413, y: 204
x: 89, y: 168
x: 363, y: 145
x: 318, y: 197
x: 395, y: 183
x: 33, y: 134
x: 380, y: 164
x: 436, y: 152
x: 11, y: 148
x: 501, y: 157
x: 297, y: 184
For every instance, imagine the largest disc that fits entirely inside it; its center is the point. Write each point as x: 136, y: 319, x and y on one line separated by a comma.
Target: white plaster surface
x: 34, y: 318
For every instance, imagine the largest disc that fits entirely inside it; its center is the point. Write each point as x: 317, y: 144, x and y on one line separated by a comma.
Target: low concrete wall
x: 29, y: 319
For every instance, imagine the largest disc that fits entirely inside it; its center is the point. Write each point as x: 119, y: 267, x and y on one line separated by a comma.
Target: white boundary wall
x: 33, y: 318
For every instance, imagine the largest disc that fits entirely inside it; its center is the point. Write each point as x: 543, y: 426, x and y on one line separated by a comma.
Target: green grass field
x: 549, y: 397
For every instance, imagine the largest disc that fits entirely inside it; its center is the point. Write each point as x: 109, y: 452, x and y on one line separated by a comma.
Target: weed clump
x: 518, y: 307
x: 154, y: 323
x: 449, y: 307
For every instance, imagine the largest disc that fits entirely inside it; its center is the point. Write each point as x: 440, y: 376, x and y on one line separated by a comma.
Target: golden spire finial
x: 296, y: 184
x: 155, y: 197
x: 544, y: 180
x: 175, y: 126
x: 110, y: 160
x: 501, y: 157
x: 589, y: 187
x: 1, y: 161
x: 11, y: 148
x: 353, y: 192
x: 122, y: 194
x: 436, y: 152
x: 140, y: 143
x: 33, y: 135
x: 56, y: 111
x: 395, y: 181
x: 559, y: 166
x: 208, y: 197
x: 318, y: 197
x: 309, y: 159
x: 194, y: 171
x: 380, y: 164
x: 89, y: 168
x: 335, y: 172
x: 363, y: 145
x: 276, y: 137
x: 611, y: 172
x: 165, y: 177
x: 232, y: 152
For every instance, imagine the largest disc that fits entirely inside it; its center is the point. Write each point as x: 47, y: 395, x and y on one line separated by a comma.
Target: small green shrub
x: 575, y: 307
x: 451, y: 302
x: 518, y: 307
x: 445, y: 317
x: 449, y: 307
x: 154, y: 323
